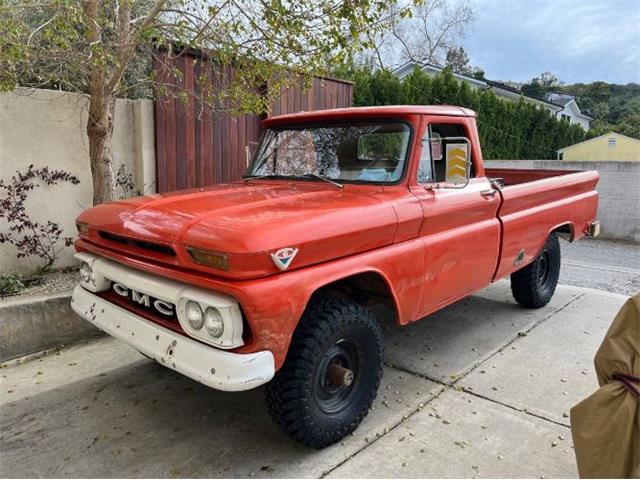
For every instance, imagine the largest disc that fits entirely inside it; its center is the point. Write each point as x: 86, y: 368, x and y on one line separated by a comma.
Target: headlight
x: 85, y: 272
x: 91, y: 279
x: 211, y: 317
x: 194, y: 314
x: 213, y: 322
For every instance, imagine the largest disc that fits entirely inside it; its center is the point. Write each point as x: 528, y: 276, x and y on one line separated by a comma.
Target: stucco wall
x: 47, y: 128
x: 619, y: 189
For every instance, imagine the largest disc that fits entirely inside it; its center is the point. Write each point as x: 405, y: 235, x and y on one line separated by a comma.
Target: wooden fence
x: 199, y: 147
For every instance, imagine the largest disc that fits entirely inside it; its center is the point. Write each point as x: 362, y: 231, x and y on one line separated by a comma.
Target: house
x: 568, y: 111
x: 500, y: 89
x: 406, y: 69
x: 610, y: 147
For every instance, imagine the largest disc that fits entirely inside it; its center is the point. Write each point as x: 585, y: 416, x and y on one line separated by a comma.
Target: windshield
x: 367, y: 152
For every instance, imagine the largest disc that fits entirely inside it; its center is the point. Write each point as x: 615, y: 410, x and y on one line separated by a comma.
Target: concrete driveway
x: 480, y: 389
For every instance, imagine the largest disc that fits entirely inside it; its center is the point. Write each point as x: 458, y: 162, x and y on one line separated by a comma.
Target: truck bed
x: 536, y: 202
x: 515, y: 176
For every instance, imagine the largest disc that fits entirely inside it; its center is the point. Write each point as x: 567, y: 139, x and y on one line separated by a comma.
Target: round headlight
x: 85, y: 272
x: 194, y: 314
x: 213, y: 322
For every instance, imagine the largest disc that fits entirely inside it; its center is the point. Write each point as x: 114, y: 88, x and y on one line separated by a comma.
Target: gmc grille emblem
x: 165, y: 308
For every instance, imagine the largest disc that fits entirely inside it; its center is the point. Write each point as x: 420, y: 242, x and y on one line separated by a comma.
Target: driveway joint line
x: 606, y: 268
x: 493, y: 354
x: 404, y: 418
x: 454, y: 383
x: 521, y: 410
x: 517, y: 337
x: 417, y: 374
x: 461, y: 388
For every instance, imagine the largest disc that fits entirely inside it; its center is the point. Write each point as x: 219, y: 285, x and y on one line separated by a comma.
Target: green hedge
x: 508, y: 129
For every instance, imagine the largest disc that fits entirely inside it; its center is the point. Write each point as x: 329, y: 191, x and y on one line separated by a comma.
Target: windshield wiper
x: 303, y: 175
x: 246, y: 178
x: 322, y: 177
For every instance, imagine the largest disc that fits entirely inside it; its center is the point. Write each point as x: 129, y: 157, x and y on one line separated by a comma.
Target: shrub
x: 11, y: 283
x: 32, y: 238
x: 507, y: 129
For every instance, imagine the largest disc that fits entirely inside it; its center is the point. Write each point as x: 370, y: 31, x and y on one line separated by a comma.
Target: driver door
x: 460, y: 228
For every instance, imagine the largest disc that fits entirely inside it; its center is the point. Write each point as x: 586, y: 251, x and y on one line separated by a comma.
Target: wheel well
x: 565, y: 232
x: 369, y: 289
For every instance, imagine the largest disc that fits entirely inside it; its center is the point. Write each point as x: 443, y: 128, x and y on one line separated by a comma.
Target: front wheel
x: 331, y: 375
x: 534, y: 285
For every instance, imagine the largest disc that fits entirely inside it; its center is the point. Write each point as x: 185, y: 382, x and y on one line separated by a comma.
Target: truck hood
x: 247, y: 223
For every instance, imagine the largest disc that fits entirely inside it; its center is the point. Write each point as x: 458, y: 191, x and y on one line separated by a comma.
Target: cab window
x: 435, y: 143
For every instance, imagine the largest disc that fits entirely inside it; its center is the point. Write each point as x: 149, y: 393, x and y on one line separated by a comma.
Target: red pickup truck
x: 271, y: 280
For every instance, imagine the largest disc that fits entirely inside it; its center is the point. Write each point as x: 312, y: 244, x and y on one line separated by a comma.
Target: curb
x: 31, y: 324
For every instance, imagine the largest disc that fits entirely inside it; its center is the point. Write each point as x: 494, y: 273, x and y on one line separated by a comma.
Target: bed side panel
x: 530, y: 211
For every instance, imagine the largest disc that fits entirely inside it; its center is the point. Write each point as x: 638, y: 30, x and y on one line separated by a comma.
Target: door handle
x: 488, y: 193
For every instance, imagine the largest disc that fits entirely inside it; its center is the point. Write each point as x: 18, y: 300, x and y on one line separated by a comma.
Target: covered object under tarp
x: 606, y: 425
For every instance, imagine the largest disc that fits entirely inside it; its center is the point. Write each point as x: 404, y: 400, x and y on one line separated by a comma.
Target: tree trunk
x: 100, y: 131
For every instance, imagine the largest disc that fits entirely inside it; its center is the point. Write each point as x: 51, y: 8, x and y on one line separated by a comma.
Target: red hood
x: 248, y: 222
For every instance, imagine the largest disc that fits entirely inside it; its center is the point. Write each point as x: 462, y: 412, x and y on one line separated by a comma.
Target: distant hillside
x: 613, y: 107
x: 606, y: 100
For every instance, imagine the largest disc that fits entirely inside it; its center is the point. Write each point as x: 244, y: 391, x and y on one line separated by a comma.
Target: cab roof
x: 370, y: 112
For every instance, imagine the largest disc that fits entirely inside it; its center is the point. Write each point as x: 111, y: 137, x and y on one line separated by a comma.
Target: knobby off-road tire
x: 302, y: 399
x: 534, y: 285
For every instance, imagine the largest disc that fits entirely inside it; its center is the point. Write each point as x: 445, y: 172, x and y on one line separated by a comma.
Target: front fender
x: 273, y: 306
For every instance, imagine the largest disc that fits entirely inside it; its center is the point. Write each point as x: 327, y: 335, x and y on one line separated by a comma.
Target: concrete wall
x: 619, y: 189
x: 47, y: 128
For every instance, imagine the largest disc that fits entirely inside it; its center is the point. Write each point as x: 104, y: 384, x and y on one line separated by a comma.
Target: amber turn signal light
x: 209, y: 258
x: 83, y: 228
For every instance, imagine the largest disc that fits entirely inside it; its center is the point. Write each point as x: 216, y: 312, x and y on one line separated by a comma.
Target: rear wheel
x: 331, y: 375
x: 534, y: 285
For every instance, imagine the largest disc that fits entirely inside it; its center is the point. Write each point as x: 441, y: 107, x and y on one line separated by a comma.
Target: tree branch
x: 126, y: 52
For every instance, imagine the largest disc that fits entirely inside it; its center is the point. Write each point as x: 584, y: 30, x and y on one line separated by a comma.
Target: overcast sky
x: 577, y: 40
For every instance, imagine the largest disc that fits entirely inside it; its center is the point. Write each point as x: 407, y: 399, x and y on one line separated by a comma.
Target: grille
x: 165, y: 321
x: 155, y: 247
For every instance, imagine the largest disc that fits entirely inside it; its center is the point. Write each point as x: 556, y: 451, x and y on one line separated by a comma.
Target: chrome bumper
x: 205, y: 364
x: 593, y: 229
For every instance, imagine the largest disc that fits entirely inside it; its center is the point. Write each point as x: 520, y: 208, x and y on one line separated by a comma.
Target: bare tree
x: 101, y: 47
x: 422, y: 32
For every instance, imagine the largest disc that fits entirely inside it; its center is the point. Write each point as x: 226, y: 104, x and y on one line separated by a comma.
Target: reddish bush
x: 32, y: 238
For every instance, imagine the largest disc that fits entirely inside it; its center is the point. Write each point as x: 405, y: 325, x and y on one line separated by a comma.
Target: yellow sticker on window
x: 457, y: 154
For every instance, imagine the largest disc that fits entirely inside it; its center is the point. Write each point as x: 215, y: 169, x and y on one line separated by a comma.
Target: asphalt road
x: 480, y: 389
x: 601, y: 264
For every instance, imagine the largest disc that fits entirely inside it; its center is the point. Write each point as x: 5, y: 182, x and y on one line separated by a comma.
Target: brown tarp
x: 606, y: 425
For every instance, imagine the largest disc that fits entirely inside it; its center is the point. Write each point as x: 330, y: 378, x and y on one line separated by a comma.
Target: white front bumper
x: 212, y: 367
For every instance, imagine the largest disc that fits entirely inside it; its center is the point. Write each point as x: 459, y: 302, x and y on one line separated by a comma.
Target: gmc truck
x: 272, y: 279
